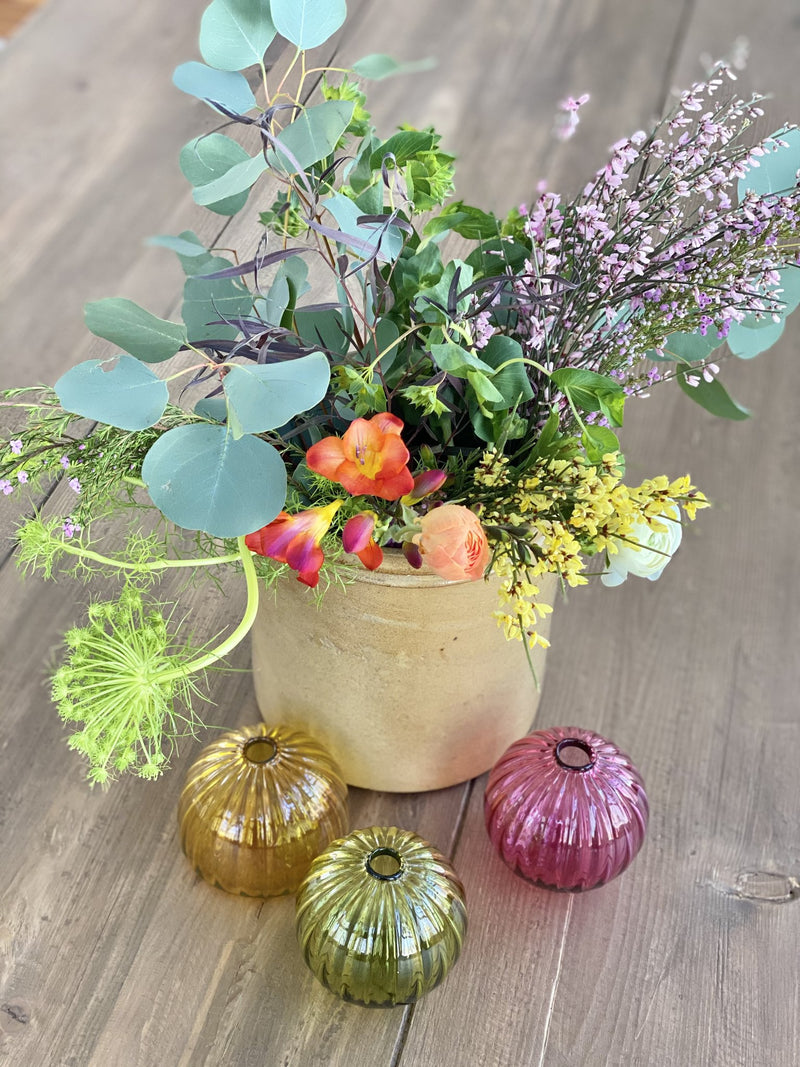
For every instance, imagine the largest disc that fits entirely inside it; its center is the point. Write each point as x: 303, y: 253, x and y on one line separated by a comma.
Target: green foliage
x: 202, y: 478
x: 126, y: 394
x: 204, y: 160
x: 263, y: 397
x: 312, y: 136
x: 377, y: 66
x: 235, y: 34
x: 712, y: 396
x: 777, y: 170
x: 207, y: 301
x: 233, y: 182
x: 308, y: 23
x: 283, y: 217
x: 358, y: 125
x: 135, y: 330
x: 228, y: 88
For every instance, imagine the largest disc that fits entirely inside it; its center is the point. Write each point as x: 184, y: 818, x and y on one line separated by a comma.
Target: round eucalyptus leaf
x: 776, y: 171
x: 235, y: 34
x: 201, y: 478
x: 123, y: 392
x: 746, y: 343
x: 261, y: 397
x: 212, y: 86
x: 204, y: 159
x: 135, y: 330
x: 308, y: 23
x: 312, y: 136
x: 233, y: 182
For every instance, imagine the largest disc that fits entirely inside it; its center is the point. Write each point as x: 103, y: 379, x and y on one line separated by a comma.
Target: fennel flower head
x: 122, y: 679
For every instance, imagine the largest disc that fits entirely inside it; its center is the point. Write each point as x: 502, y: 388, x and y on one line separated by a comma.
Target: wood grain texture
x: 111, y: 951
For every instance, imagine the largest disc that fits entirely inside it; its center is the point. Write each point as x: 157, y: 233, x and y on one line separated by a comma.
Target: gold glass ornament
x: 258, y: 805
x: 381, y: 917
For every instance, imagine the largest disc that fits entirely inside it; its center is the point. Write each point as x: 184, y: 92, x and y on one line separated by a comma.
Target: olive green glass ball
x: 381, y: 917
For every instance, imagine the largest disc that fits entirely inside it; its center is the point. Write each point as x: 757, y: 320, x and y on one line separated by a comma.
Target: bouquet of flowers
x: 349, y: 387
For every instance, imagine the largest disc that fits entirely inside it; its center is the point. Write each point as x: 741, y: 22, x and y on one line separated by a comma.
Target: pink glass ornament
x: 565, y: 808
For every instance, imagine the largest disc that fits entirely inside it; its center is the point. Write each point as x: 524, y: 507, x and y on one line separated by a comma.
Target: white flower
x: 657, y: 548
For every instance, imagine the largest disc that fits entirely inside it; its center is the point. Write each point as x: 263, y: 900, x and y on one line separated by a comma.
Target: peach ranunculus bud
x: 453, y: 543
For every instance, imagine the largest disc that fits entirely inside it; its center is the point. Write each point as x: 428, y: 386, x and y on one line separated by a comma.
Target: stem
x: 238, y: 635
x: 155, y: 565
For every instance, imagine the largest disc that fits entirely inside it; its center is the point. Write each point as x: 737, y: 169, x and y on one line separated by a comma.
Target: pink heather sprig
x: 567, y: 120
x: 654, y: 244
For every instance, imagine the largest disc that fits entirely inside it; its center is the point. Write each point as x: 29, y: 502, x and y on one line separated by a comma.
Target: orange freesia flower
x: 453, y: 543
x: 370, y: 459
x: 357, y: 538
x: 295, y: 539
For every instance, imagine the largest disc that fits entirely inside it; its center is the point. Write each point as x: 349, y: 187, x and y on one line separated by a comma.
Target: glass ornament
x: 257, y: 806
x: 566, y: 809
x: 381, y: 917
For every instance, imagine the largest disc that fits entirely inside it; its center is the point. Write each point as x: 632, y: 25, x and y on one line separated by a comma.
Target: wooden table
x: 112, y: 953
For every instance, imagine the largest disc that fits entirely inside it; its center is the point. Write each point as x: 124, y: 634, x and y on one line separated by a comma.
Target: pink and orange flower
x: 370, y: 459
x: 453, y: 543
x: 357, y: 538
x: 295, y: 540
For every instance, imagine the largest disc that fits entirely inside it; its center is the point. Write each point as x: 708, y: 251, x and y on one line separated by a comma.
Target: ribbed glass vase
x: 258, y: 805
x: 566, y: 809
x: 381, y: 917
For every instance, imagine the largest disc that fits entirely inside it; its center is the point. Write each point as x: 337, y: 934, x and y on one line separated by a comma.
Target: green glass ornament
x: 258, y: 805
x: 381, y: 917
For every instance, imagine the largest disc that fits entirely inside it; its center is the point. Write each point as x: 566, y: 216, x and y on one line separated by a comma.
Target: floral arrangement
x: 357, y: 388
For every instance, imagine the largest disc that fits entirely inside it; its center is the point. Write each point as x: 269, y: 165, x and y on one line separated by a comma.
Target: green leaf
x: 212, y: 407
x: 235, y: 34
x: 469, y: 222
x: 776, y: 171
x: 207, y: 300
x: 135, y: 330
x: 263, y: 397
x: 325, y: 328
x: 746, y: 342
x: 403, y: 146
x: 613, y: 407
x: 692, y: 347
x: 123, y: 393
x: 495, y: 256
x: 312, y: 136
x: 512, y: 381
x: 239, y: 179
x: 184, y: 246
x: 228, y: 88
x: 205, y: 159
x: 597, y: 441
x: 308, y: 23
x: 545, y: 438
x: 201, y: 478
x: 457, y: 361
x: 346, y: 213
x: 585, y: 386
x: 487, y: 393
x: 713, y: 397
x: 787, y: 290
x: 440, y: 292
x: 377, y: 66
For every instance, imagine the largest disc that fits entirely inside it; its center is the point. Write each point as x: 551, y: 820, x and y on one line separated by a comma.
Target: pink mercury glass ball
x: 566, y: 809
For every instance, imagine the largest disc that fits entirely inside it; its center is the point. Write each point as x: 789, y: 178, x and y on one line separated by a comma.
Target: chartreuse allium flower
x: 121, y: 682
x: 126, y: 677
